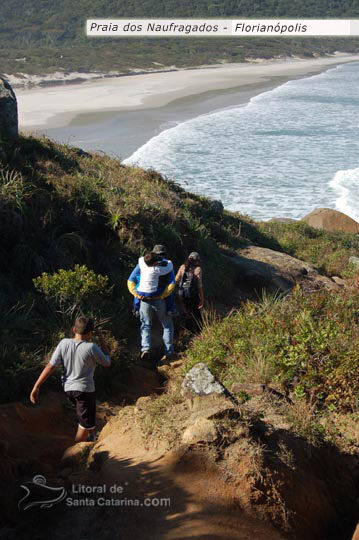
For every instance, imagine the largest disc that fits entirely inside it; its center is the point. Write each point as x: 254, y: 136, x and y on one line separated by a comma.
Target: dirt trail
x: 173, y: 495
x: 186, y: 499
x: 196, y: 503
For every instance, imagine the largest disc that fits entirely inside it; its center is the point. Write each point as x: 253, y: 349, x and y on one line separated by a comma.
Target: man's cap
x: 194, y: 255
x: 84, y: 325
x: 159, y: 249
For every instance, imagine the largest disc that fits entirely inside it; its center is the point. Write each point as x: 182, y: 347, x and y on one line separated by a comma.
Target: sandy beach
x: 143, y: 105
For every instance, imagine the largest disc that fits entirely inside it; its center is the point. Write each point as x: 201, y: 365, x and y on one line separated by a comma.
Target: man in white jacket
x: 151, y: 282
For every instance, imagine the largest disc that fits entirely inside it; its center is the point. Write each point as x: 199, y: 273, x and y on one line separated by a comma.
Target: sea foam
x: 346, y: 186
x: 277, y: 156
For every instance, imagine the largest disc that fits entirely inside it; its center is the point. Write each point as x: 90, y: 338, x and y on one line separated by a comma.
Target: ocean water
x: 286, y: 152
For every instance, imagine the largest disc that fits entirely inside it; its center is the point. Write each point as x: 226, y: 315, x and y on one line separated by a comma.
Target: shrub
x: 73, y: 290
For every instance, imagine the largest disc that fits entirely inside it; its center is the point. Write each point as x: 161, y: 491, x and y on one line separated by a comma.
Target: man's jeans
x: 147, y: 310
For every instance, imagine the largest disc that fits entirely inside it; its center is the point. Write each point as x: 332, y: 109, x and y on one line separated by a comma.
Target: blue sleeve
x: 135, y: 274
x: 171, y: 278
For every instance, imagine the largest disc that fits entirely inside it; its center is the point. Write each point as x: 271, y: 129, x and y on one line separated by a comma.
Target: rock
x: 331, y: 221
x: 96, y: 459
x: 283, y: 220
x: 8, y: 111
x: 265, y: 268
x: 213, y: 406
x: 73, y: 455
x: 202, y: 430
x: 217, y: 207
x: 354, y: 261
x: 201, y: 382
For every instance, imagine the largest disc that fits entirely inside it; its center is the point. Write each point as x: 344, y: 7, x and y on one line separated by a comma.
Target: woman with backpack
x: 189, y: 280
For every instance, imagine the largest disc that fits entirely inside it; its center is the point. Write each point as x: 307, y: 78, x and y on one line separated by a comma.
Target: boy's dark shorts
x: 85, y: 407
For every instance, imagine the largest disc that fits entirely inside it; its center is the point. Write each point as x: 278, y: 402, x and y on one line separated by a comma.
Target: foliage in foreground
x: 75, y: 290
x: 308, y: 344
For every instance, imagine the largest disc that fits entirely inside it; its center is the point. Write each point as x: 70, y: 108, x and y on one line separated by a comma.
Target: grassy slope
x: 51, y: 36
x: 60, y: 207
x: 305, y: 343
x: 328, y: 251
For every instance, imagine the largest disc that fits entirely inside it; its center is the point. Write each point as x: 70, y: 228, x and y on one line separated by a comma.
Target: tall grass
x: 306, y: 344
x: 330, y: 252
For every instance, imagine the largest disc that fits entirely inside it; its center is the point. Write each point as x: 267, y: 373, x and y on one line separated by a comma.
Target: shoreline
x: 131, y: 110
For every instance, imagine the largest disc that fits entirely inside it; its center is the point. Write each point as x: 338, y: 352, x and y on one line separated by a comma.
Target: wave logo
x: 40, y: 494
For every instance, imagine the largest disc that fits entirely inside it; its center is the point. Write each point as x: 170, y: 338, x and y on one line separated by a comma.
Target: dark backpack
x: 188, y: 285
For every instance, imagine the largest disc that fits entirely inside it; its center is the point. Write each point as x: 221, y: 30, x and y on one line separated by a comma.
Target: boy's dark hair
x: 84, y: 325
x: 152, y: 258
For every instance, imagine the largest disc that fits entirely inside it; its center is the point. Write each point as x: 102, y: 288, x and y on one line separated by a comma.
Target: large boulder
x: 8, y: 111
x: 262, y: 268
x: 331, y: 221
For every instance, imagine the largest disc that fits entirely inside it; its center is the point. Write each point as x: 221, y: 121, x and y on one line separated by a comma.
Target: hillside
x: 37, y: 36
x: 287, y: 456
x: 62, y: 207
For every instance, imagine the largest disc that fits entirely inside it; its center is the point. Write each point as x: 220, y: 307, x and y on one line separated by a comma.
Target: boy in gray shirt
x: 78, y: 358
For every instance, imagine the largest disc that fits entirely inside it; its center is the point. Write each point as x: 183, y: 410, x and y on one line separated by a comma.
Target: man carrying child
x: 151, y: 283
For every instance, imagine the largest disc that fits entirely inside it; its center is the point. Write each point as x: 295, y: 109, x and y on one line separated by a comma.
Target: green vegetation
x: 72, y: 228
x: 70, y: 221
x: 72, y: 291
x: 330, y: 252
x: 303, y: 343
x: 51, y: 37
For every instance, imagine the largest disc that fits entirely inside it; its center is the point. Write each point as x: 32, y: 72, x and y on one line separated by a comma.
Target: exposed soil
x: 198, y: 504
x: 258, y: 481
x: 189, y: 493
